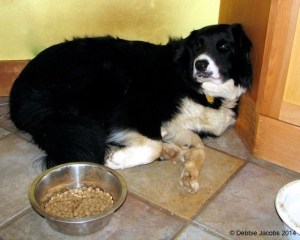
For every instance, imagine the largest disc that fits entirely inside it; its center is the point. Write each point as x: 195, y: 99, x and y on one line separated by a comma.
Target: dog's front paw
x: 170, y: 152
x: 189, y: 181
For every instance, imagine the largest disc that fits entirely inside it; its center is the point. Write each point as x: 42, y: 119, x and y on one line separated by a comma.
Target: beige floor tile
x: 5, y: 121
x: 275, y: 168
x: 192, y: 232
x: 228, y: 142
x: 158, y: 182
x: 3, y: 106
x: 134, y: 220
x: 3, y: 133
x: 17, y: 172
x: 246, y: 204
x: 3, y: 110
x: 8, y: 125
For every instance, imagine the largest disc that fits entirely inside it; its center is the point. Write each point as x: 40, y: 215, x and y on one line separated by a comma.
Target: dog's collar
x: 210, y: 99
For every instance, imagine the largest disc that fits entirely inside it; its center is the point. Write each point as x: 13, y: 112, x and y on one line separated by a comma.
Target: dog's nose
x: 201, y: 65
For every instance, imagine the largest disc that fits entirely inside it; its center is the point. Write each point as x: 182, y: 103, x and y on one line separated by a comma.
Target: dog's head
x: 217, y: 54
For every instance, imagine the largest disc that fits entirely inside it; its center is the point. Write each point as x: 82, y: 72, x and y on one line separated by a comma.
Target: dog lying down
x: 186, y: 147
x: 105, y: 99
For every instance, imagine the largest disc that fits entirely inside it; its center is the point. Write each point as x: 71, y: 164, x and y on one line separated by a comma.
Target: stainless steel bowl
x: 75, y: 175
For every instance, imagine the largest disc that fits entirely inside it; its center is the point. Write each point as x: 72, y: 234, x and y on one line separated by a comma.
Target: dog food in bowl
x: 72, y: 176
x: 79, y: 202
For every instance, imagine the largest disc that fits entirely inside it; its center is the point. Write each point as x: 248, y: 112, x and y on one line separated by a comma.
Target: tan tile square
x: 134, y: 220
x: 246, y: 204
x: 158, y: 182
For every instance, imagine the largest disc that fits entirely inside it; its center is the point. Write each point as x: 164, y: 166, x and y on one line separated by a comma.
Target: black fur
x: 72, y: 95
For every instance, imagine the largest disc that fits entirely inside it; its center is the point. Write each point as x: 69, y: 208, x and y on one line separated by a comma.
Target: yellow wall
x: 28, y: 26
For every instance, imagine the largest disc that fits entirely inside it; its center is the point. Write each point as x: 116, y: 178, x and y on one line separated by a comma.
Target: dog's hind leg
x: 137, y: 150
x: 71, y: 141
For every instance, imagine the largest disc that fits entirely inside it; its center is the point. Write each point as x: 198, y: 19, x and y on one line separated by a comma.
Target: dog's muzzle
x: 201, y: 69
x: 205, y: 70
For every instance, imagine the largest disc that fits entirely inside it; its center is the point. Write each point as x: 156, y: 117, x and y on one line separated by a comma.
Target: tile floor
x: 237, y: 194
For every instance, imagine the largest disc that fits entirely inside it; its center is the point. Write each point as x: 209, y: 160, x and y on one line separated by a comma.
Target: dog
x: 106, y: 99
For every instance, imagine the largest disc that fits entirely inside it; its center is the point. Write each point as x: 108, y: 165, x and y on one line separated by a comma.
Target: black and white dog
x: 105, y: 100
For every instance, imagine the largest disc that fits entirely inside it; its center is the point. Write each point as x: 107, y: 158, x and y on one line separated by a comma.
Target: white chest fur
x: 198, y: 118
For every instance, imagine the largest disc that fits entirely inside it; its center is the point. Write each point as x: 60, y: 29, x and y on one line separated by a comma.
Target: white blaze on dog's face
x: 206, y: 72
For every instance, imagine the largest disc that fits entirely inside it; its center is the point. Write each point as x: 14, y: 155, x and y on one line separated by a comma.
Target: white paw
x: 115, y: 160
x: 191, y: 186
x: 131, y: 157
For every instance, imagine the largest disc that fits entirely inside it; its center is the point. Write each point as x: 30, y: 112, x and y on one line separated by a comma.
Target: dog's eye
x: 224, y: 47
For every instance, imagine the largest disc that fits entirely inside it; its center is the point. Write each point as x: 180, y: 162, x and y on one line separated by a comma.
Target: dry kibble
x: 79, y: 202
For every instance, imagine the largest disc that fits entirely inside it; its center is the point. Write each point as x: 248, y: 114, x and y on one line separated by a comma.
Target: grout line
x: 273, y: 167
x: 230, y: 154
x: 192, y: 219
x: 176, y: 234
x: 201, y: 227
x: 211, y: 231
x: 6, y: 135
x: 16, y: 217
x: 185, y: 221
x: 219, y: 190
x: 161, y: 209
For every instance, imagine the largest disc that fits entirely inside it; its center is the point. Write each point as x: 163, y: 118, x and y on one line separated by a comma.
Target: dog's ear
x: 181, y: 56
x: 183, y: 49
x: 242, y: 64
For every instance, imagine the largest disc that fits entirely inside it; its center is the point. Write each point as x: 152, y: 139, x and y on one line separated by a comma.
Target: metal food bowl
x: 77, y: 175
